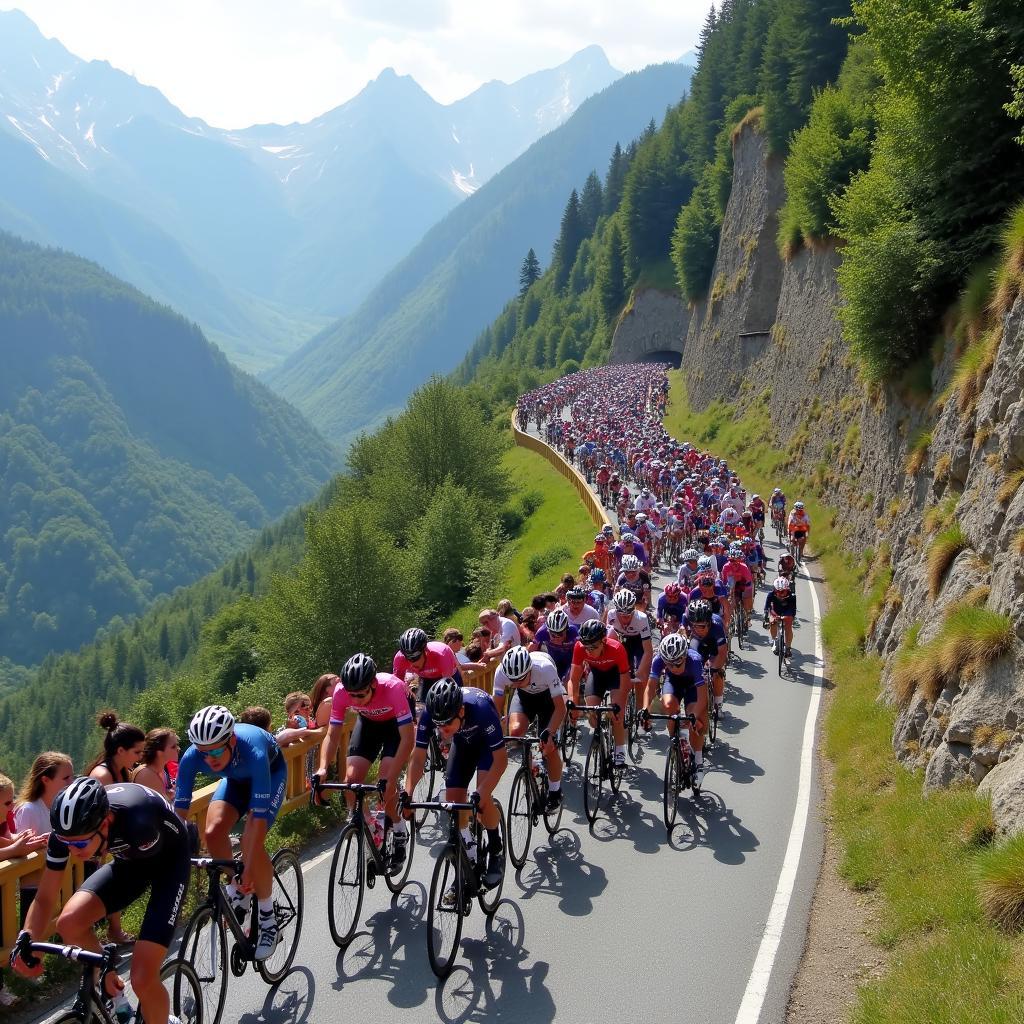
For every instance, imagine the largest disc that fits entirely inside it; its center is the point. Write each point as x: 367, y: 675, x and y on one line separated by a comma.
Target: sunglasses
x: 211, y: 755
x: 593, y: 647
x: 76, y: 844
x: 447, y: 721
x: 360, y: 695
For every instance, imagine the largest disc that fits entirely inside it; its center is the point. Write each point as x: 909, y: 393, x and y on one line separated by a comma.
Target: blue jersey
x: 677, y: 608
x: 712, y: 642
x: 257, y: 757
x: 692, y: 670
x: 481, y: 725
x: 560, y: 654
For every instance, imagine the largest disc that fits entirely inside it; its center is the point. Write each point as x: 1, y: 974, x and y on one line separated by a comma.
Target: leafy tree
x: 695, y: 243
x: 529, y: 272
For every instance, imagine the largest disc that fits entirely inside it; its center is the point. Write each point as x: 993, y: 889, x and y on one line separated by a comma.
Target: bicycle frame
x: 361, y: 790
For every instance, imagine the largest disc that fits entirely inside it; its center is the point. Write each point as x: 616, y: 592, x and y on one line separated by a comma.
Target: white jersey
x: 643, y: 504
x: 543, y: 677
x: 687, y: 576
x: 585, y: 614
x: 729, y: 516
x: 638, y: 626
x: 733, y: 501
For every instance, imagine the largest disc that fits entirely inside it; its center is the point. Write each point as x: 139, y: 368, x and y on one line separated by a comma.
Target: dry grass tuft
x: 1000, y: 875
x: 1009, y: 487
x: 972, y: 638
x: 1017, y: 544
x: 942, y: 467
x: 946, y: 546
x: 918, y: 452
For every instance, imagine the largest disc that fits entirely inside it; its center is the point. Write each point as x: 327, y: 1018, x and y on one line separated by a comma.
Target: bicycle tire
x: 592, y: 780
x: 672, y: 786
x: 782, y: 654
x: 444, y: 925
x: 289, y: 904
x: 397, y: 882
x: 424, y: 789
x: 712, y: 719
x: 519, y: 823
x: 186, y: 1005
x: 209, y: 958
x: 614, y: 774
x: 552, y: 819
x: 633, y: 727
x: 346, y: 886
x: 490, y: 898
x: 567, y: 742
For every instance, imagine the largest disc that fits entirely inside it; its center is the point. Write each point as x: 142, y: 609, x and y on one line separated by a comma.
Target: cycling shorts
x: 799, y: 534
x: 238, y: 792
x: 464, y: 760
x: 373, y: 739
x: 682, y: 688
x: 120, y: 883
x: 601, y: 683
x: 534, y: 705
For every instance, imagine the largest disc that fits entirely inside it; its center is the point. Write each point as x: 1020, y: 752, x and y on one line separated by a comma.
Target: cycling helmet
x: 798, y: 504
x: 630, y: 563
x: 625, y: 600
x: 699, y: 611
x: 211, y: 725
x: 412, y: 643
x: 777, y: 490
x: 672, y: 592
x: 706, y: 564
x: 756, y: 497
x: 79, y: 809
x: 444, y: 700
x: 608, y: 530
x: 599, y: 539
x: 592, y: 631
x: 673, y: 648
x: 735, y: 550
x: 576, y: 594
x: 358, y: 673
x: 597, y: 576
x: 691, y: 555
x: 557, y: 622
x: 641, y: 517
x: 628, y: 538
x: 781, y: 583
x: 516, y: 663
x: 646, y: 492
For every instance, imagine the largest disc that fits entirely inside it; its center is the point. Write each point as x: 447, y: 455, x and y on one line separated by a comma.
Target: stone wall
x: 655, y: 321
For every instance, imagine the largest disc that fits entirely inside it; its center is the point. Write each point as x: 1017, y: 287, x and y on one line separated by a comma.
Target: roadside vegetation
x: 951, y: 901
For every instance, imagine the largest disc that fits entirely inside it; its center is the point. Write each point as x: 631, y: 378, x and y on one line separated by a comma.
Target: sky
x: 240, y: 62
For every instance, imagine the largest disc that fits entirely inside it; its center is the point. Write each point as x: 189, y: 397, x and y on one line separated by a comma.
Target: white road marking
x: 760, y: 976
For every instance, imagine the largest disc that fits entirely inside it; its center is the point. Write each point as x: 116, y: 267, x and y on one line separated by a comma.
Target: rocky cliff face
x: 655, y: 322
x: 769, y: 332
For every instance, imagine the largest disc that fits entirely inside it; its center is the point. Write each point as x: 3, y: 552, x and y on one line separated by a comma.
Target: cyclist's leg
x: 229, y: 802
x: 787, y: 623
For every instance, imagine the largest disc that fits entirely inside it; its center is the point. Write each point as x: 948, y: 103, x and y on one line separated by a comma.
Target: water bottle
x: 123, y: 1012
x: 378, y: 829
x: 301, y: 722
x: 538, y: 763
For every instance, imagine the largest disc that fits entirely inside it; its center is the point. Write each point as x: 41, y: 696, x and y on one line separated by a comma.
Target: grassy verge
x: 555, y: 534
x: 920, y: 855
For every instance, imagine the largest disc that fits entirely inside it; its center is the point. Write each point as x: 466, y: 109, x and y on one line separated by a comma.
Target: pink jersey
x: 390, y: 701
x: 736, y: 572
x: 440, y: 662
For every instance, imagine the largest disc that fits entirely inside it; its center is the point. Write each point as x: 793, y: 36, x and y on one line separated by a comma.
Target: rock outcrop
x: 769, y: 334
x: 654, y: 323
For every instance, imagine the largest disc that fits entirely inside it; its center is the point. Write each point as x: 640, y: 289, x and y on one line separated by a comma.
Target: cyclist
x: 608, y: 663
x: 777, y: 503
x: 736, y: 576
x: 708, y: 588
x: 780, y: 604
x: 671, y: 603
x: 597, y: 597
x: 423, y: 661
x: 688, y: 568
x: 680, y: 671
x: 467, y: 718
x: 557, y: 639
x: 633, y: 630
x: 787, y: 566
x: 384, y: 730
x: 708, y: 638
x: 634, y: 578
x: 599, y: 557
x: 757, y: 514
x: 799, y: 527
x: 252, y: 773
x: 576, y: 607
x: 150, y: 848
x: 538, y: 694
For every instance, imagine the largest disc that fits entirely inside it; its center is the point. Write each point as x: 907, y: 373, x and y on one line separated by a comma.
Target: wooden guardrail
x: 590, y: 500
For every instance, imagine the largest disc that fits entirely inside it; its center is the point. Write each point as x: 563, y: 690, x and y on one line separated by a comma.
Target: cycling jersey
x: 474, y: 744
x: 712, y: 642
x: 560, y: 654
x: 641, y: 586
x: 599, y: 557
x: 390, y: 702
x: 544, y: 678
x: 715, y: 601
x: 257, y: 763
x: 606, y: 668
x: 681, y: 681
x: 785, y: 608
x: 440, y: 662
x: 738, y: 574
x: 637, y: 628
x: 666, y: 608
x: 585, y: 614
x: 687, y: 575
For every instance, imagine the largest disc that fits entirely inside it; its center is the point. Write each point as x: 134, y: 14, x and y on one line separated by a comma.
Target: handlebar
x: 473, y: 804
x: 316, y: 786
x: 692, y: 719
x: 599, y: 709
x: 105, y: 960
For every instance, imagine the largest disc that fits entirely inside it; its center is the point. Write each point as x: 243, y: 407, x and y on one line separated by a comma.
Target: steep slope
x: 422, y: 318
x: 133, y: 457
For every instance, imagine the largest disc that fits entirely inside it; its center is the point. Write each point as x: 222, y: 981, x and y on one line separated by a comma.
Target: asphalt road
x: 614, y: 922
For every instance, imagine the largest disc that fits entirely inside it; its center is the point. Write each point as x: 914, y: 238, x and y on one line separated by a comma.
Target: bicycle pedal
x: 371, y: 875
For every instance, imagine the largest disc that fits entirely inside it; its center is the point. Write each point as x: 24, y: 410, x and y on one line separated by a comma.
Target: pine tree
x: 164, y: 643
x: 120, y: 666
x: 611, y: 274
x: 570, y: 237
x: 529, y: 272
x: 707, y: 30
x: 591, y: 203
x: 614, y: 180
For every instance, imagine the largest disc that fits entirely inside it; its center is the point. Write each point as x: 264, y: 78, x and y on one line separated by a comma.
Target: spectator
x: 320, y: 698
x: 122, y: 751
x: 160, y: 749
x: 529, y: 626
x: 568, y: 582
x: 504, y: 633
x: 255, y: 715
x: 475, y: 654
x: 453, y: 638
x: 506, y: 608
x: 50, y: 773
x: 298, y: 709
x: 540, y: 602
x: 551, y: 602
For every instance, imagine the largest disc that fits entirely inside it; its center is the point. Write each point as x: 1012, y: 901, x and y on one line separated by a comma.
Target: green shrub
x: 695, y: 243
x: 559, y: 554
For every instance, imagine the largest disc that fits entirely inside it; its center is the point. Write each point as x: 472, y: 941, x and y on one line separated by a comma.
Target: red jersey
x: 613, y: 657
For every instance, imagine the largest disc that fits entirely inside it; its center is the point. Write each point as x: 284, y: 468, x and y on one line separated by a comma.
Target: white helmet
x: 516, y: 663
x: 630, y: 563
x: 672, y: 648
x: 706, y: 564
x: 798, y: 505
x: 625, y: 600
x: 211, y: 725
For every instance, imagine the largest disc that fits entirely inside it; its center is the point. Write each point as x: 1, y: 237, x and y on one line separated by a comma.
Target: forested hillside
x: 133, y: 457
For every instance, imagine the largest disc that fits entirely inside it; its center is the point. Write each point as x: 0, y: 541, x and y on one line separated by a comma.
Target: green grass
x: 558, y: 521
x: 921, y: 857
x: 660, y: 276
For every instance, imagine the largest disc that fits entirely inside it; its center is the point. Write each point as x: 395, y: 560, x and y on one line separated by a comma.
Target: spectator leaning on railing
x: 161, y: 749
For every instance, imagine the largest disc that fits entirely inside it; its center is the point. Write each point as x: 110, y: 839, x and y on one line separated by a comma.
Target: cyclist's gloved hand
x: 23, y: 960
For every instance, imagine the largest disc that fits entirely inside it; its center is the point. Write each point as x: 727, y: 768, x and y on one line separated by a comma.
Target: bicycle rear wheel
x: 345, y: 886
x: 782, y: 652
x: 444, y: 923
x: 424, y: 790
x: 608, y: 742
x: 552, y: 819
x: 713, y: 712
x: 204, y: 945
x: 490, y: 898
x: 567, y: 741
x: 633, y: 727
x: 520, y: 816
x: 592, y: 780
x: 288, y: 896
x: 396, y: 882
x: 672, y: 786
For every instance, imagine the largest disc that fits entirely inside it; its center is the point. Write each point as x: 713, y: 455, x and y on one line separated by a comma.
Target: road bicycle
x: 457, y: 880
x: 779, y: 525
x: 714, y: 711
x: 527, y: 801
x: 204, y: 944
x: 359, y: 860
x: 631, y: 723
x: 680, y: 767
x: 92, y: 1006
x: 600, y: 765
x: 433, y: 768
x: 739, y: 621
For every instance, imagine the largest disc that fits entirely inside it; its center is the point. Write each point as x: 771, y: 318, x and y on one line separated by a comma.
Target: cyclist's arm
x: 39, y: 914
x: 407, y: 732
x: 643, y: 670
x: 187, y: 769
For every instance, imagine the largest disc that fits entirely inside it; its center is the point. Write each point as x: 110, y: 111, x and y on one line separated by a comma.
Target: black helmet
x: 593, y: 631
x: 413, y: 642
x: 444, y: 700
x: 699, y: 611
x: 80, y: 808
x: 358, y: 672
x: 576, y: 594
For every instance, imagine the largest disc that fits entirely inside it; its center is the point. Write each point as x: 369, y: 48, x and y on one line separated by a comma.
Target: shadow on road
x: 288, y: 1002
x: 558, y: 868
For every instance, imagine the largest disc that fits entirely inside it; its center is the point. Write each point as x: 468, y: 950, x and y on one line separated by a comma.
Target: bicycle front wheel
x: 396, y: 882
x: 444, y: 912
x: 592, y: 780
x: 673, y: 784
x: 204, y: 945
x: 520, y: 817
x: 424, y: 790
x: 490, y: 898
x: 633, y: 727
x: 345, y: 886
x: 288, y: 896
x: 186, y: 993
x: 614, y: 772
x: 570, y: 733
x: 552, y: 819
